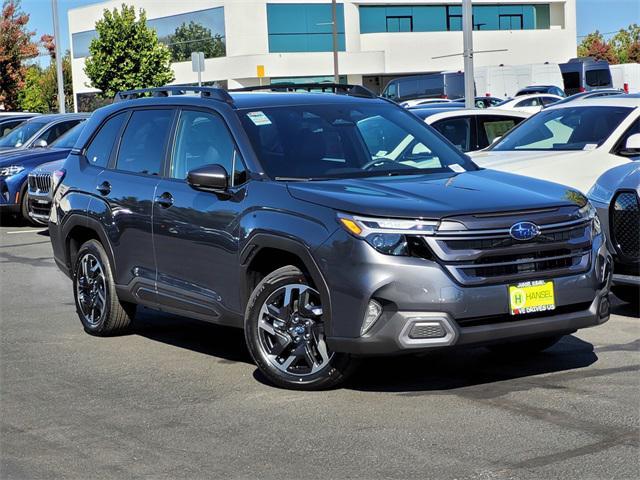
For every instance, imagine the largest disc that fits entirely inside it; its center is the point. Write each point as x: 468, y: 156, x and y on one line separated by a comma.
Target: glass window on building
x: 200, y: 31
x: 442, y: 18
x: 303, y: 27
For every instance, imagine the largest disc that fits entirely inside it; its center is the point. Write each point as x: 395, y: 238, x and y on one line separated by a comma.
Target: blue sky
x: 604, y: 15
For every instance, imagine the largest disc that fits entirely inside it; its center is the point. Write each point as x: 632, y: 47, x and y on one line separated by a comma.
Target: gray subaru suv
x: 330, y: 225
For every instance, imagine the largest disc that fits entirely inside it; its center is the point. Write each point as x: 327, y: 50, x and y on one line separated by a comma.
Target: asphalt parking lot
x: 181, y: 399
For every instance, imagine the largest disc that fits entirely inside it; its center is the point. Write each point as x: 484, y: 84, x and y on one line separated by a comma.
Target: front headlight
x: 10, y: 170
x: 387, y: 235
x: 590, y: 212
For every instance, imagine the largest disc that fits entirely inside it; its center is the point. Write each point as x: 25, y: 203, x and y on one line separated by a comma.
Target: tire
x: 627, y: 293
x: 99, y: 309
x: 526, y: 347
x: 286, y: 341
x: 24, y: 208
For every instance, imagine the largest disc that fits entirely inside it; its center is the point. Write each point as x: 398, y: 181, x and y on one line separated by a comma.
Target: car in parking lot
x: 291, y: 215
x: 10, y: 121
x: 528, y: 103
x: 39, y: 132
x: 572, y: 143
x: 16, y: 165
x: 472, y: 129
x: 616, y: 196
x: 531, y: 89
x: 603, y: 92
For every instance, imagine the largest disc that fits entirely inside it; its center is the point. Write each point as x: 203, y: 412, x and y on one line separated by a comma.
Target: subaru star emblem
x: 524, y: 231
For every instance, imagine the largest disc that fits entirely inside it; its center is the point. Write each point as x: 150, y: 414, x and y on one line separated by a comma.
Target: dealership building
x: 248, y: 42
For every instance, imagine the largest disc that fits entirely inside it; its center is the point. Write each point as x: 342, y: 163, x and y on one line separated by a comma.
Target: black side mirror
x: 209, y: 177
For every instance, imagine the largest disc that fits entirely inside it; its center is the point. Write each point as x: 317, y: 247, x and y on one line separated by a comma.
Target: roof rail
x: 171, y: 90
x: 338, y: 88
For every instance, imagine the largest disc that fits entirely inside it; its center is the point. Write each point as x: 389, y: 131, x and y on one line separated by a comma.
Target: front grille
x: 625, y: 225
x: 505, y: 317
x: 481, y: 257
x: 40, y: 182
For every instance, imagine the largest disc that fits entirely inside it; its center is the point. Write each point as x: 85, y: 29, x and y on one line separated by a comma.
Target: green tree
x: 15, y: 47
x: 594, y: 45
x: 623, y: 42
x: 31, y: 97
x: 126, y: 54
x: 194, y: 37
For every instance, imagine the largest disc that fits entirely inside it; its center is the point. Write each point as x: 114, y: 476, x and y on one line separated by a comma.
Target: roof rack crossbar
x: 169, y: 91
x: 338, y: 88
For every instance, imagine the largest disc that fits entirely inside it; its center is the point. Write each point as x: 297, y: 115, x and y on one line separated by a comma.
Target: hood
x: 33, y: 157
x: 50, y: 166
x: 435, y: 196
x: 578, y: 169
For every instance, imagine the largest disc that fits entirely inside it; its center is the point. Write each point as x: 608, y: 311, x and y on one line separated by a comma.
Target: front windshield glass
x: 19, y: 135
x: 346, y: 141
x: 68, y: 140
x: 569, y: 128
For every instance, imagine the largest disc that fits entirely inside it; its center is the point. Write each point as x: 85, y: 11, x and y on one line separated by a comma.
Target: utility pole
x: 334, y: 23
x: 57, y: 39
x: 467, y: 52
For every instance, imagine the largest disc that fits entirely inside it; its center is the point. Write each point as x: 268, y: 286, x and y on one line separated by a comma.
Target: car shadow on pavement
x: 217, y: 341
x: 444, y: 371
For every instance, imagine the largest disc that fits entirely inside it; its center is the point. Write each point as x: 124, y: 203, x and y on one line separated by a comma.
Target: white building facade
x: 251, y: 41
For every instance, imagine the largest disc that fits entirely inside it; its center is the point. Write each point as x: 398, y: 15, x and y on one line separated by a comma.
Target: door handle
x: 104, y: 188
x: 165, y: 200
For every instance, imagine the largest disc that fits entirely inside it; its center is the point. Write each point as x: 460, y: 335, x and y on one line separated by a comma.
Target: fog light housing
x: 371, y: 315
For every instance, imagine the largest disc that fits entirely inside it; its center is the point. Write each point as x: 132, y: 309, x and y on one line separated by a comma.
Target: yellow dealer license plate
x: 530, y: 297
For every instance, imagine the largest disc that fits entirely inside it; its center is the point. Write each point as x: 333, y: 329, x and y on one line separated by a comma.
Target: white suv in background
x: 572, y: 144
x: 529, y: 103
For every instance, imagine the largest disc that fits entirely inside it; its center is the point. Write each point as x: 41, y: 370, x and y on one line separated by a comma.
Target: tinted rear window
x: 598, y: 78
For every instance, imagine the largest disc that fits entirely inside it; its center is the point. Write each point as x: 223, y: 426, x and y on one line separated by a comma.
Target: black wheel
x: 24, y: 207
x: 627, y: 293
x: 97, y: 303
x: 285, y: 334
x: 526, y: 347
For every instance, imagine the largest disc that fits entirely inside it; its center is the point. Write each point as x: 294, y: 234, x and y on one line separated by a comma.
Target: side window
x: 99, y: 150
x: 143, y: 141
x: 203, y: 139
x: 632, y: 130
x: 491, y: 127
x: 457, y: 130
x: 55, y: 131
x: 548, y: 100
x: 529, y: 102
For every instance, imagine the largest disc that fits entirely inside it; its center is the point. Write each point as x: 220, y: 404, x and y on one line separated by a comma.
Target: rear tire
x: 284, y: 332
x: 99, y: 309
x: 526, y: 347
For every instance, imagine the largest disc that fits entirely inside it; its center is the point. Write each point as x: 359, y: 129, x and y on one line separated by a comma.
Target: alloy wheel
x: 91, y: 289
x: 291, y: 331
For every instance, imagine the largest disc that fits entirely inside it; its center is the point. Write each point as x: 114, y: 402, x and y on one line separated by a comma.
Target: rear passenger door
x: 127, y: 188
x: 195, y: 232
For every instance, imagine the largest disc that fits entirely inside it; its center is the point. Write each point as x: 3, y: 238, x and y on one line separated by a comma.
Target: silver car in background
x: 616, y: 195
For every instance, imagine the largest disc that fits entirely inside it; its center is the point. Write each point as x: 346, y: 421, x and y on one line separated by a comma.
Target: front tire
x: 24, y: 208
x: 525, y: 347
x: 97, y: 303
x: 284, y: 332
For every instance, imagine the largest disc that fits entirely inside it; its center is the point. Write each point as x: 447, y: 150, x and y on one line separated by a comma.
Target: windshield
x: 68, y: 140
x: 569, y: 128
x: 19, y: 135
x: 346, y: 141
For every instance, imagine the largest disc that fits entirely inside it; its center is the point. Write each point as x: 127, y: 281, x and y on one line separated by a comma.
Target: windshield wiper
x: 300, y: 179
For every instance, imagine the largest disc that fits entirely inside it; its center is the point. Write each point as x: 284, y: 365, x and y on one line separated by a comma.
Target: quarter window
x: 143, y: 142
x: 99, y: 150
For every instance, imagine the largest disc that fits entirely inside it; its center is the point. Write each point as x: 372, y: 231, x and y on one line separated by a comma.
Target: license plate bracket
x: 531, y: 297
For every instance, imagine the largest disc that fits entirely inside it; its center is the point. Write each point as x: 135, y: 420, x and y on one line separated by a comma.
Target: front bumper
x: 417, y: 291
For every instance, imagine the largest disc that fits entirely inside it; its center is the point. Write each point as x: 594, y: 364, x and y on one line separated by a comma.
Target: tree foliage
x: 126, y: 54
x: 623, y: 47
x: 15, y: 47
x: 194, y: 37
